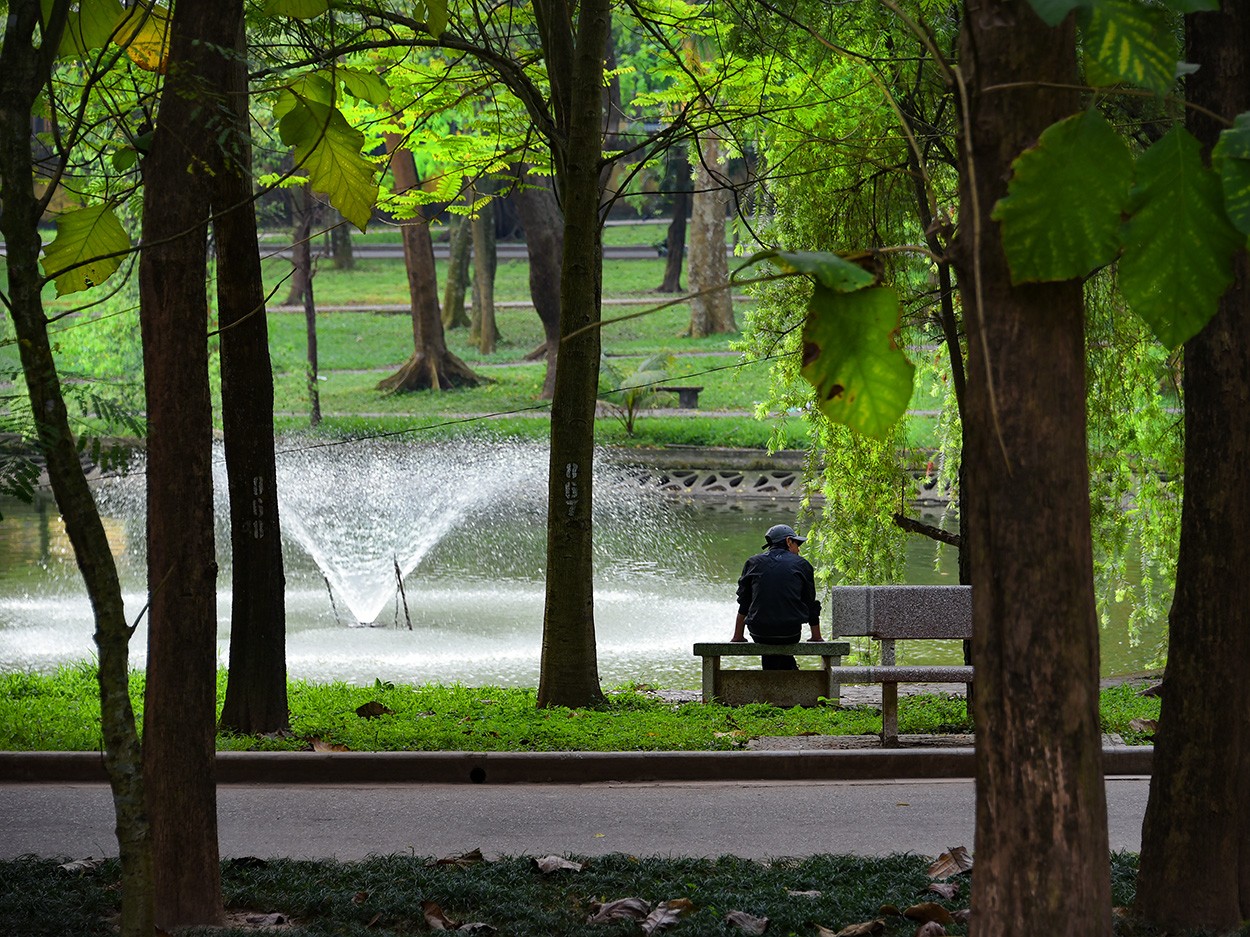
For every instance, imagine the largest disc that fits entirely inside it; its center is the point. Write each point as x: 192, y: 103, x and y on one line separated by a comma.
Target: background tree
x: 711, y: 306
x: 544, y: 245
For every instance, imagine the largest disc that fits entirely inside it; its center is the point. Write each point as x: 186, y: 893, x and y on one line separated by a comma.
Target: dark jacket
x: 777, y: 593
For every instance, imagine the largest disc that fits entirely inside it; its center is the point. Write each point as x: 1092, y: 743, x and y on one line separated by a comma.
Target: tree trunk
x: 304, y: 211
x: 310, y: 340
x: 544, y: 243
x: 457, y: 285
x: 1195, y: 858
x: 483, y: 332
x: 675, y: 242
x: 431, y: 366
x: 22, y: 75
x: 1041, y: 821
x: 256, y: 700
x: 180, y: 705
x: 569, y: 670
x: 341, y: 244
x: 711, y: 305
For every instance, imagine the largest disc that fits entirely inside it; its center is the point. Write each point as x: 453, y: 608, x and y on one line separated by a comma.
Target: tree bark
x: 458, y: 251
x: 1195, y: 858
x: 569, y: 669
x: 256, y: 699
x: 23, y: 73
x: 431, y: 366
x: 304, y: 209
x: 711, y: 305
x: 1041, y: 821
x: 180, y: 706
x: 675, y: 241
x: 341, y: 244
x: 483, y: 332
x: 544, y: 243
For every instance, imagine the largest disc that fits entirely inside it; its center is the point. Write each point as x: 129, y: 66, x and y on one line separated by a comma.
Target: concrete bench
x: 687, y: 397
x: 901, y: 613
x: 779, y: 687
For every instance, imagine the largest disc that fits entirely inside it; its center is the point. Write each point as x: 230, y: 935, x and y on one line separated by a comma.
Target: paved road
x: 753, y: 819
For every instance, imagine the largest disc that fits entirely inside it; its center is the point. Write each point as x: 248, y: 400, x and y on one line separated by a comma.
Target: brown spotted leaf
x: 319, y: 746
x: 549, y: 864
x: 666, y: 914
x: 435, y: 919
x: 962, y: 916
x: 373, y: 709
x: 952, y: 862
x: 947, y: 890
x: 634, y: 909
x: 930, y: 929
x: 747, y: 923
x: 928, y: 911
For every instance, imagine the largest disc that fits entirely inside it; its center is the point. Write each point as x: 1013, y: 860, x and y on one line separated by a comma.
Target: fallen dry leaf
x: 952, y: 862
x: 889, y: 909
x: 928, y: 911
x: 549, y: 864
x: 947, y: 890
x: 931, y: 929
x: 1144, y: 726
x: 373, y: 709
x: 435, y: 919
x: 747, y: 923
x: 472, y: 857
x: 634, y: 909
x: 477, y: 927
x: 803, y: 894
x: 266, y: 920
x: 962, y: 916
x: 1153, y: 690
x: 320, y: 746
x: 81, y: 865
x: 666, y: 914
x: 864, y: 929
x: 360, y: 897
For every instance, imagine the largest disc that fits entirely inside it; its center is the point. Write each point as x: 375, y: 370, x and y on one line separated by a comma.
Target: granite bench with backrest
x: 901, y: 613
x: 804, y: 687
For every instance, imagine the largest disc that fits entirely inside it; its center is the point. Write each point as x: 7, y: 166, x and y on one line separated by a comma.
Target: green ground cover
x: 384, y: 895
x: 61, y: 712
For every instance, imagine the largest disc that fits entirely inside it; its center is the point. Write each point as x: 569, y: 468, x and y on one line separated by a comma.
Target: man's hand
x: 737, y: 639
x: 816, y: 635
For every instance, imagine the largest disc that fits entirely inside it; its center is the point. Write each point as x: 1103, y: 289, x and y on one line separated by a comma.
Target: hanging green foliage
x: 1231, y: 159
x: 79, y: 256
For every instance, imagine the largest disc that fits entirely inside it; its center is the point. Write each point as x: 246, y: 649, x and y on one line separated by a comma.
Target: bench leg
x: 889, y: 715
x: 831, y: 663
x: 710, y: 666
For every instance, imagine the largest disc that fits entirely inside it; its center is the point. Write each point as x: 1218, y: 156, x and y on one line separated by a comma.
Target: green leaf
x: 364, y: 84
x: 1178, y: 243
x: 1133, y: 42
x: 90, y: 26
x: 1061, y: 215
x: 1231, y: 159
x: 435, y: 17
x: 851, y: 357
x: 125, y: 158
x: 81, y: 236
x: 830, y: 270
x: 1053, y: 12
x: 329, y: 149
x: 296, y: 9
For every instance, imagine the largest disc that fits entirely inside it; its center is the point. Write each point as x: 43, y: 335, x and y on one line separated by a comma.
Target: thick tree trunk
x: 256, y: 699
x: 1041, y: 823
x: 569, y: 670
x: 544, y: 243
x: 1195, y: 859
x: 483, y: 331
x: 711, y: 305
x: 22, y: 75
x: 180, y: 706
x: 432, y: 366
x: 341, y: 244
x: 675, y: 241
x: 459, y: 249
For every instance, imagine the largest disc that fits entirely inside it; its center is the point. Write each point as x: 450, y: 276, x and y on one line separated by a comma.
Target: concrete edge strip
x: 557, y: 767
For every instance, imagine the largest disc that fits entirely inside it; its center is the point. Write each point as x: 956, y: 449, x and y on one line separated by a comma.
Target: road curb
x: 556, y: 767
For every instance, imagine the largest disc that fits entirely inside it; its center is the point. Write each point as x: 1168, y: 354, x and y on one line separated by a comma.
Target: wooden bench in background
x: 687, y: 397
x: 902, y: 613
x: 779, y: 687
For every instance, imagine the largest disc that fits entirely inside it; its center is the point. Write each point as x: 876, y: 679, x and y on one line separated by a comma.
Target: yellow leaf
x: 144, y: 34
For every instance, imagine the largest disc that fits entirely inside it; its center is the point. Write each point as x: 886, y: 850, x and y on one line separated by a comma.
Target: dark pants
x: 777, y: 661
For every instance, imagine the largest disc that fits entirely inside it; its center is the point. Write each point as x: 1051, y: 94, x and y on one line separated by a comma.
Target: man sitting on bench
x: 776, y: 595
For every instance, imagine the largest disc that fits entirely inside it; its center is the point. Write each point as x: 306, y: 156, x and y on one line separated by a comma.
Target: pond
x: 472, y: 555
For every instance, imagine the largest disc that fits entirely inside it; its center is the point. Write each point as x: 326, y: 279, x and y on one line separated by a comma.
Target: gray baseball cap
x: 778, y: 534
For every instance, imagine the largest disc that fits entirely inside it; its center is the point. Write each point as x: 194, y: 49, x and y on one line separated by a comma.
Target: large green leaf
x: 1178, y: 243
x: 144, y: 33
x: 1054, y: 11
x: 329, y: 149
x: 434, y: 14
x: 1231, y: 158
x: 1061, y: 215
x: 851, y: 357
x: 81, y: 236
x: 364, y: 84
x: 90, y: 26
x: 830, y: 270
x: 1133, y: 42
